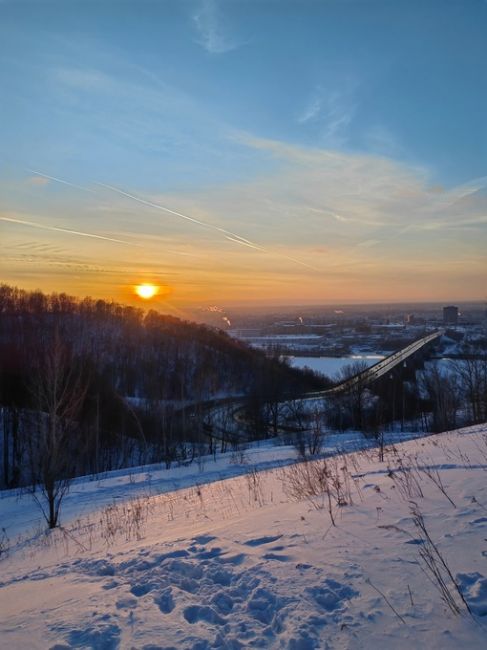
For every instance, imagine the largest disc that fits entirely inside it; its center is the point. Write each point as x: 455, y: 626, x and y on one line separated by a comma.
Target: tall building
x: 450, y: 315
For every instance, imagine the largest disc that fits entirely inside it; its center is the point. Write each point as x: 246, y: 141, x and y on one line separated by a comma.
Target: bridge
x: 383, y: 367
x: 362, y: 379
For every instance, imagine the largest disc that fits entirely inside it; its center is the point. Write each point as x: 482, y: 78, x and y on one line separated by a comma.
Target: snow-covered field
x: 254, y: 561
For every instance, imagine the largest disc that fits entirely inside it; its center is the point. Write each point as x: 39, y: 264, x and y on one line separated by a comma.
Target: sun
x: 146, y: 291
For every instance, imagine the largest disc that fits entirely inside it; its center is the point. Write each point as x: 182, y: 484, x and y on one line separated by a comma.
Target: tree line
x: 88, y: 385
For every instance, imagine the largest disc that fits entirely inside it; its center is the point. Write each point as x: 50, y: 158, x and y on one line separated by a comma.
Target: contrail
x: 231, y: 236
x: 293, y: 259
x: 60, y: 180
x: 245, y: 243
x: 33, y: 224
x: 164, y: 209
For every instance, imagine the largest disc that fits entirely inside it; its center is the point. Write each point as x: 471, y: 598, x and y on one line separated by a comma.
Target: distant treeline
x: 113, y: 380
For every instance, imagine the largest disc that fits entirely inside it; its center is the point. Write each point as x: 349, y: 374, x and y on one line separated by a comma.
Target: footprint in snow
x: 258, y: 541
x: 98, y: 636
x: 203, y: 539
x: 481, y: 521
x: 332, y: 595
x: 195, y: 613
x: 139, y: 590
x: 263, y: 606
x: 127, y: 602
x: 237, y: 559
x: 165, y: 601
x: 474, y: 588
x: 208, y: 554
x: 276, y: 556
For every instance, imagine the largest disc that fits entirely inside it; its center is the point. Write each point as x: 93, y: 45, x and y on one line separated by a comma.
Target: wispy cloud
x: 213, y: 33
x: 331, y: 111
x: 43, y: 179
x: 228, y: 234
x: 371, y: 225
x: 383, y: 142
x: 37, y: 180
x: 367, y: 212
x: 312, y: 110
x: 78, y: 233
x: 368, y: 243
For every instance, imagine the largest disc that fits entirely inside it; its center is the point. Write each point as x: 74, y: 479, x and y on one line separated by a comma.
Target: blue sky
x: 344, y: 141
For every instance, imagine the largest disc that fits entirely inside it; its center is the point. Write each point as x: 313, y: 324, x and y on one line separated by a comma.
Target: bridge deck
x: 382, y: 367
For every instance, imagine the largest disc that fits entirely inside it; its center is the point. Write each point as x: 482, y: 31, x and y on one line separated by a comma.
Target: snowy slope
x: 251, y: 561
x: 21, y: 515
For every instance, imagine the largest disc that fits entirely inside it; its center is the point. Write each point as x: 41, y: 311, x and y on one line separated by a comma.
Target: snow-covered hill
x: 254, y: 561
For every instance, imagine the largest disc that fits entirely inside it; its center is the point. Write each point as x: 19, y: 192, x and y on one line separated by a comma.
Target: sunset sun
x: 146, y: 291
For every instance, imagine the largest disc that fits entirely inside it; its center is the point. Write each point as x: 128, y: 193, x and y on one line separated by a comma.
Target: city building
x: 450, y: 315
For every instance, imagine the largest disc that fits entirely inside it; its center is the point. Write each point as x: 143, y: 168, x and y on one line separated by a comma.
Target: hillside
x: 255, y: 560
x: 116, y: 380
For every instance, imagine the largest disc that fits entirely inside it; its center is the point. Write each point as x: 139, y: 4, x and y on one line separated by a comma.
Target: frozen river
x: 331, y: 366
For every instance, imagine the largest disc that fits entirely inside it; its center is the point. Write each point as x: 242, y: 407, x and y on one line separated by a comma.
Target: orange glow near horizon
x: 146, y: 291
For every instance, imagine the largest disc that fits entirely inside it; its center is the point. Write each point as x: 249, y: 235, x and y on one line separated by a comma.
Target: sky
x: 245, y: 152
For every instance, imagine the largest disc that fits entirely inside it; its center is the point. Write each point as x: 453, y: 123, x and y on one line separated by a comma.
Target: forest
x: 87, y: 385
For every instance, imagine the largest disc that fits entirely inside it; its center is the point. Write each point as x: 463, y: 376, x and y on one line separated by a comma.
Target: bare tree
x: 59, y: 389
x: 355, y: 395
x: 472, y: 379
x: 441, y: 390
x: 309, y: 442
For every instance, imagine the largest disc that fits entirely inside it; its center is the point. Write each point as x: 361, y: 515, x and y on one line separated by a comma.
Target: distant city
x: 342, y: 331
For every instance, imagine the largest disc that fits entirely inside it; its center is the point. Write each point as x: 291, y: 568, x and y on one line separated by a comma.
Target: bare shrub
x: 406, y: 479
x: 436, y: 568
x: 309, y: 443
x: 126, y: 520
x: 435, y: 477
x: 325, y: 484
x: 254, y: 485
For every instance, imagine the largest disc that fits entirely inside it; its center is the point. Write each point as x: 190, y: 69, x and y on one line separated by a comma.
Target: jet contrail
x: 164, y: 209
x: 33, y: 224
x: 231, y: 236
x: 60, y: 180
x: 293, y: 259
x: 245, y: 243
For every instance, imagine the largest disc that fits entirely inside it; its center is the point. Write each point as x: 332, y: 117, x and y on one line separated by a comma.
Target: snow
x: 182, y: 559
x: 21, y: 516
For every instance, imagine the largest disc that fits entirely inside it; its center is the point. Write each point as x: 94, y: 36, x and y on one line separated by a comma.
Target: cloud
x: 43, y: 179
x: 331, y: 111
x: 311, y: 111
x: 375, y: 228
x: 383, y: 142
x: 37, y: 247
x: 85, y: 78
x: 37, y: 180
x: 211, y: 28
x: 368, y: 243
x: 228, y: 234
x: 130, y: 111
x: 356, y: 216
